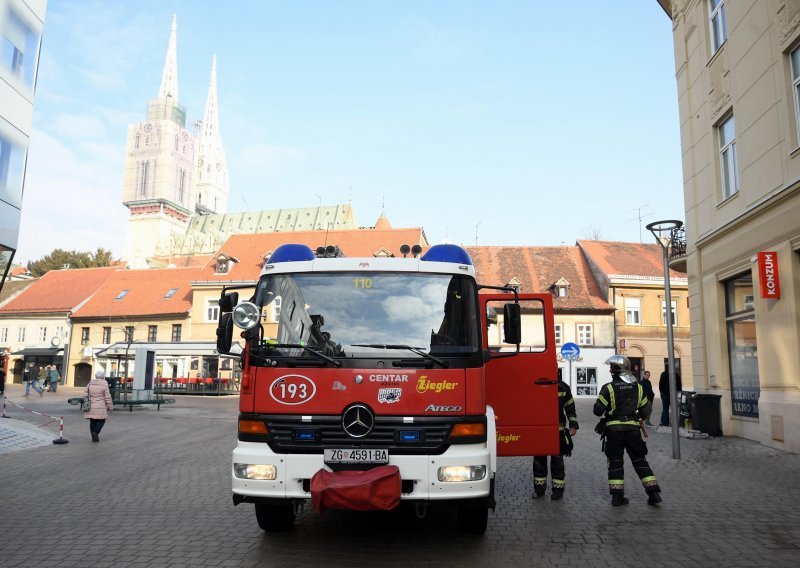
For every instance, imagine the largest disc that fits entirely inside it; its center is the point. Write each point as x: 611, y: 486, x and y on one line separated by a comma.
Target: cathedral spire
x: 169, y: 79
x: 211, y: 192
x: 210, y: 118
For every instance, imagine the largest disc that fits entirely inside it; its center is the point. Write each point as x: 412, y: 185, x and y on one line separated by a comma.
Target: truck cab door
x: 522, y: 388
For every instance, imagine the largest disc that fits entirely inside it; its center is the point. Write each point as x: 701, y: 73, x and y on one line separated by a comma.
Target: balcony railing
x: 677, y: 243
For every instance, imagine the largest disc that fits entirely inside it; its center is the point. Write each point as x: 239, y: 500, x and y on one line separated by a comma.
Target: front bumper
x: 418, y: 472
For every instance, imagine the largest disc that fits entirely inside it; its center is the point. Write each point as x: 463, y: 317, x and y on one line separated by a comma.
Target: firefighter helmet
x: 620, y: 365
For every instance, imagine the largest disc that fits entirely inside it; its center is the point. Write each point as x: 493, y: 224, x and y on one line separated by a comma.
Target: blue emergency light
x: 291, y: 253
x: 408, y: 436
x: 305, y: 435
x: 447, y: 253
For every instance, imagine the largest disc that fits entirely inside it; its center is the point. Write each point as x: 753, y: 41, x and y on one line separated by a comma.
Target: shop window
x: 740, y: 319
x: 586, y: 381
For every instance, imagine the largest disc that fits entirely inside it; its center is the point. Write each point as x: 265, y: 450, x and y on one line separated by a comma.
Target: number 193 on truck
x: 369, y: 382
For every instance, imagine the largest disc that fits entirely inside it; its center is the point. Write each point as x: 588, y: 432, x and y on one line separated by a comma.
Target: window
x: 212, y: 310
x: 586, y: 381
x: 181, y: 183
x: 673, y: 312
x: 740, y: 318
x: 20, y: 45
x: 170, y: 293
x: 128, y: 334
x: 143, y: 180
x: 795, y: 60
x: 152, y: 333
x: 559, y: 334
x: 21, y: 334
x: 13, y: 149
x: 84, y: 335
x: 727, y: 154
x: 106, y: 335
x: 121, y: 295
x: 59, y: 331
x: 716, y: 19
x: 3, y: 334
x: 585, y: 334
x: 176, y: 332
x: 42, y: 334
x: 633, y: 311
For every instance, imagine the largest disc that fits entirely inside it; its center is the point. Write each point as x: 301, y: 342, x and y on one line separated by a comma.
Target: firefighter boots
x: 653, y: 498
x: 557, y: 495
x: 618, y: 499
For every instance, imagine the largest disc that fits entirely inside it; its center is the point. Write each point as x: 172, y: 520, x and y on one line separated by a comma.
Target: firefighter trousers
x: 617, y: 443
x: 540, y: 473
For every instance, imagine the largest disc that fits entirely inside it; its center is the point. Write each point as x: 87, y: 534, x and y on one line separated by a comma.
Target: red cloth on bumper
x: 376, y: 489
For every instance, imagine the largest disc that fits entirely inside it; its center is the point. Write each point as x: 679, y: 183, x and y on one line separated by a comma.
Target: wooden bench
x: 152, y: 398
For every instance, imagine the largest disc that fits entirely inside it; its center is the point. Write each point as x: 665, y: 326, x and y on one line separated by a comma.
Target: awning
x: 121, y: 350
x: 40, y: 351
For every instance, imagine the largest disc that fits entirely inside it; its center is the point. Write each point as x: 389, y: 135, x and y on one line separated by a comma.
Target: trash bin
x: 685, y: 408
x: 705, y: 411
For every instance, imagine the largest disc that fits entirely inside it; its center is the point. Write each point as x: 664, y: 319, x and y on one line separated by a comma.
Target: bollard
x: 61, y: 439
x: 4, y: 407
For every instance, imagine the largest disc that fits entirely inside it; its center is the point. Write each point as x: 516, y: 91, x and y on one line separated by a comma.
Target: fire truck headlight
x: 246, y: 315
x: 255, y: 471
x: 462, y: 473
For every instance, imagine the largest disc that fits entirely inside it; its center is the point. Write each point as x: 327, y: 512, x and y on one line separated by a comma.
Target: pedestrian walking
x: 31, y: 378
x: 567, y: 428
x: 41, y: 379
x: 663, y: 389
x: 2, y: 380
x: 54, y: 378
x: 622, y: 404
x: 648, y: 393
x: 100, y: 404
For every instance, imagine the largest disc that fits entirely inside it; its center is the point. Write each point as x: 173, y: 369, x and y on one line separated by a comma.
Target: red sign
x: 768, y: 275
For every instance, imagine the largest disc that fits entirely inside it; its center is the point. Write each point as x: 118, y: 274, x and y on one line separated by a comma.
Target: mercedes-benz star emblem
x: 358, y: 421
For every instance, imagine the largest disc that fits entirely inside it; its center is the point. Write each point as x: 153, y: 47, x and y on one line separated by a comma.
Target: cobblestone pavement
x: 155, y: 492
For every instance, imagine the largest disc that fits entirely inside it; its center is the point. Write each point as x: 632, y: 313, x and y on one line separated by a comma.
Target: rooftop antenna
x: 476, y: 232
x: 639, y: 218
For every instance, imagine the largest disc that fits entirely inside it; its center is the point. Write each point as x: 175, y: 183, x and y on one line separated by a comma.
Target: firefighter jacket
x: 623, y: 404
x: 567, y: 417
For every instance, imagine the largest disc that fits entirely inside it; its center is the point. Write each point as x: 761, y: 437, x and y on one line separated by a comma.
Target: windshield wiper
x: 322, y: 356
x: 418, y: 350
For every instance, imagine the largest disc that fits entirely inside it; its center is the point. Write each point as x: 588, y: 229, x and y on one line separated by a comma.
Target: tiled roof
x: 145, y: 296
x: 12, y: 288
x: 59, y: 290
x: 628, y: 259
x: 250, y: 249
x: 537, y: 269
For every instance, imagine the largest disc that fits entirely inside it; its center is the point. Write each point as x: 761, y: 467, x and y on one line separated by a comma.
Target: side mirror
x: 225, y: 333
x: 512, y: 324
x: 228, y: 301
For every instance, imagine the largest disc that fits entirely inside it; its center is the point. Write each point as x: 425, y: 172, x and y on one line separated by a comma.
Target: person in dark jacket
x: 568, y: 427
x: 648, y: 393
x: 623, y: 404
x: 663, y: 389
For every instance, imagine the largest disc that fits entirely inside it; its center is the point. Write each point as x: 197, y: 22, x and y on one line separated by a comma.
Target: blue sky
x: 541, y: 122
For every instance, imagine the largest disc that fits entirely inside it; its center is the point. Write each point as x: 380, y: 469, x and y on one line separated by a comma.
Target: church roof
x: 383, y: 222
x: 132, y: 293
x: 276, y: 220
x: 251, y: 249
x: 536, y: 269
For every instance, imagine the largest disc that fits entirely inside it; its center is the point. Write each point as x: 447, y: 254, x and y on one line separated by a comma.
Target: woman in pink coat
x: 101, y: 404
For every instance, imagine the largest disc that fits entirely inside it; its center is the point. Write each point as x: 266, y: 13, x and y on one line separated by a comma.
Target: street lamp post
x: 662, y: 230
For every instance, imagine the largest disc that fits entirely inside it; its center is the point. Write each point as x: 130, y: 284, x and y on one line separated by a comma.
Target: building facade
x: 21, y: 26
x: 737, y: 65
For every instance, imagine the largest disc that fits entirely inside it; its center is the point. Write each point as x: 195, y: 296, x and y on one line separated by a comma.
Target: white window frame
x: 728, y: 159
x: 718, y: 24
x: 559, y: 332
x: 21, y: 334
x: 42, y: 333
x: 794, y: 63
x: 633, y: 311
x: 212, y: 310
x: 3, y: 334
x: 584, y: 332
x: 674, y: 312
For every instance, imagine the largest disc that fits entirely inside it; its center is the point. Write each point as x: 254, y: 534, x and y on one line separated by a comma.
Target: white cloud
x: 76, y: 126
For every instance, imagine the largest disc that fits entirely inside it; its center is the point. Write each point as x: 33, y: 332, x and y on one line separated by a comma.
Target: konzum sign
x: 768, y: 274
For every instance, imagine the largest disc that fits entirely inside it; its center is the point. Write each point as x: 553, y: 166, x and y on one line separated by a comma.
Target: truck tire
x: 275, y: 518
x: 473, y: 520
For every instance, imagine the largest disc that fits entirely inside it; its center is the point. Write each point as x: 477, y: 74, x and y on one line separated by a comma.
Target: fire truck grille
x: 428, y: 435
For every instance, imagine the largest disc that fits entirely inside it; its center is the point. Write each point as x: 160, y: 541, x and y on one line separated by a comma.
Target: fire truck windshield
x: 348, y: 314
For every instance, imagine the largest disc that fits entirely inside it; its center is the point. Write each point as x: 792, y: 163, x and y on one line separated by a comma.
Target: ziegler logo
x: 437, y: 408
x: 506, y: 438
x: 424, y: 385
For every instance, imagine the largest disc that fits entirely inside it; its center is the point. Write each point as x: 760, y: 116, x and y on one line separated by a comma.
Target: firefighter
x: 568, y: 427
x: 623, y: 404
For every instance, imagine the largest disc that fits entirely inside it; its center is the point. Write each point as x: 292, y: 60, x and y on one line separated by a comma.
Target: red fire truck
x: 367, y: 382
